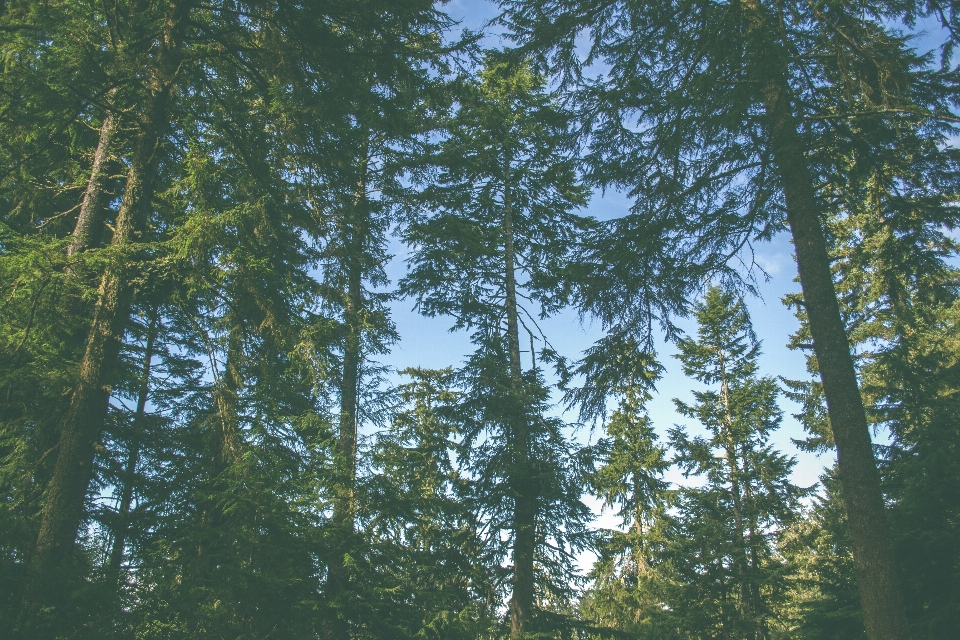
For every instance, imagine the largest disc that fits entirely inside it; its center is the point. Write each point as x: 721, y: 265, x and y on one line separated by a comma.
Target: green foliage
x: 629, y: 577
x: 490, y: 243
x: 677, y: 123
x: 724, y: 536
x: 823, y: 593
x: 428, y: 563
x: 508, y: 146
x: 252, y: 473
x: 890, y: 216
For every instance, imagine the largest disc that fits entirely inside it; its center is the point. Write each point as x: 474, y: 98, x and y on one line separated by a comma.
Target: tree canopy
x: 202, y: 206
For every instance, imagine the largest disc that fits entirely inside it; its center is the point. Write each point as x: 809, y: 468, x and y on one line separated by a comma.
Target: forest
x: 201, y: 435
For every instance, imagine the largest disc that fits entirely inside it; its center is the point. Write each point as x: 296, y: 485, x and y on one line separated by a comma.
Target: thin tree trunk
x: 133, y: 455
x: 522, y: 483
x: 223, y: 450
x: 344, y: 507
x: 80, y: 432
x: 740, y: 560
x: 87, y: 231
x: 880, y: 598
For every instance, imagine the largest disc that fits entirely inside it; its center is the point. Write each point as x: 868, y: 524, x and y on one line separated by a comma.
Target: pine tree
x: 890, y: 258
x: 389, y: 107
x: 626, y: 591
x: 427, y: 552
x: 823, y: 592
x: 83, y: 421
x: 211, y: 226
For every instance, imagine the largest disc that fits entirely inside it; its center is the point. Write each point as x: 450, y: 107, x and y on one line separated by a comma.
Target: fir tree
x: 428, y: 558
x: 890, y: 258
x: 626, y: 594
x: 491, y: 245
x: 723, y: 539
x: 712, y: 117
x: 823, y: 591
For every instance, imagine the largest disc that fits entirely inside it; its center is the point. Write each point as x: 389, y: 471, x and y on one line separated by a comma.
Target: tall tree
x: 390, y: 107
x: 747, y: 500
x: 625, y: 593
x: 213, y: 201
x: 497, y: 232
x: 80, y: 431
x: 52, y: 93
x: 890, y: 257
x: 428, y: 554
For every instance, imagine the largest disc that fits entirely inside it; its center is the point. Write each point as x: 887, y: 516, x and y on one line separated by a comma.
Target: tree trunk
x: 880, y: 598
x: 344, y: 507
x: 740, y: 560
x: 874, y: 564
x: 80, y: 432
x: 223, y: 451
x: 523, y: 484
x: 133, y: 455
x: 89, y: 225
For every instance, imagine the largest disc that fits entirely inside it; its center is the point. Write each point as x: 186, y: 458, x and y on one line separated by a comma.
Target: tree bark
x: 223, y: 450
x: 87, y: 231
x: 523, y: 483
x: 880, y: 598
x: 80, y: 432
x: 344, y: 507
x: 874, y: 565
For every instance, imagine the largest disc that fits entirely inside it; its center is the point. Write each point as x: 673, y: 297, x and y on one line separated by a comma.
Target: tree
x: 912, y: 389
x: 496, y: 234
x: 80, y: 430
x: 890, y: 257
x: 823, y: 591
x: 725, y: 534
x: 710, y: 116
x: 626, y: 594
x: 354, y: 176
x: 198, y: 106
x: 427, y: 560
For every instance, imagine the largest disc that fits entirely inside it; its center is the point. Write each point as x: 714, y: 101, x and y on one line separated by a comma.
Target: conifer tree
x: 823, y: 591
x: 723, y: 539
x: 626, y: 593
x: 201, y: 114
x: 83, y: 421
x: 496, y: 231
x: 427, y: 556
x: 389, y: 106
x: 890, y: 258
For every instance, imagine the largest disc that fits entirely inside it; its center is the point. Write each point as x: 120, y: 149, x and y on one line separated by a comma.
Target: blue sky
x: 426, y: 342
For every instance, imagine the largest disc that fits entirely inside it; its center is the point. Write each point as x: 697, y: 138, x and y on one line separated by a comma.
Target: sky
x: 426, y: 342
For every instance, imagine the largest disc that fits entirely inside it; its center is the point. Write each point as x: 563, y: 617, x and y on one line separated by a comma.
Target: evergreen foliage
x: 726, y: 532
x: 496, y: 231
x: 198, y: 206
